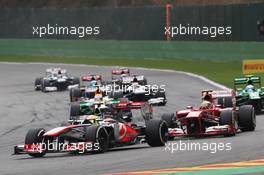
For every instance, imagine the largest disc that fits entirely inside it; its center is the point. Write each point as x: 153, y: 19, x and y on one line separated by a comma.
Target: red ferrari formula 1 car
x: 98, y: 135
x: 217, y: 115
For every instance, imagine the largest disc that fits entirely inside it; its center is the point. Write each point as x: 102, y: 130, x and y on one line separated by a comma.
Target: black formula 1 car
x: 56, y: 79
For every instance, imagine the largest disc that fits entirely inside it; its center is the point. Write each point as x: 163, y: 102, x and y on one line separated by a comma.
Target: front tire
x: 99, y: 138
x: 44, y: 84
x: 156, y: 132
x: 227, y: 118
x: 35, y: 136
x: 168, y: 118
x: 38, y: 84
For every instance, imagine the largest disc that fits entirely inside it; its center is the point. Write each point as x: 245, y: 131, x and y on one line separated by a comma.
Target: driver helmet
x: 123, y: 75
x: 135, y: 80
x: 97, y: 109
x: 98, y: 94
x: 249, y: 82
x: 206, y: 105
x: 207, y: 97
x: 249, y: 87
x: 207, y: 102
x: 93, y: 83
x: 105, y: 111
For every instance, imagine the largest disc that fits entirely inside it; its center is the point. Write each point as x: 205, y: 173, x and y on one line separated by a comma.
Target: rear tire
x: 257, y: 107
x: 35, y: 136
x: 75, y: 93
x: 90, y: 95
x: 143, y: 82
x: 76, y: 81
x: 156, y: 132
x: 117, y: 95
x: 65, y: 124
x: 75, y: 109
x: 247, y: 118
x: 99, y: 136
x: 161, y: 94
x: 226, y: 102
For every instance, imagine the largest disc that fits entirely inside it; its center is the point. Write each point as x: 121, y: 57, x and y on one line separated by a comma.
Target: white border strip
x: 202, y: 78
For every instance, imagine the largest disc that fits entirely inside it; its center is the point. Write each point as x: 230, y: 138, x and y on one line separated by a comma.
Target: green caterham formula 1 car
x: 249, y: 92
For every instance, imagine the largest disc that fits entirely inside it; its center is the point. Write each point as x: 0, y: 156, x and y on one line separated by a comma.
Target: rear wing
x: 130, y: 79
x: 56, y: 70
x: 120, y: 71
x: 129, y: 105
x: 221, y: 94
x: 244, y: 80
x: 144, y: 107
x: 91, y: 77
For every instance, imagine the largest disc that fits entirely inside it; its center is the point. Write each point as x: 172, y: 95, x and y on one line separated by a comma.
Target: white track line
x: 141, y: 68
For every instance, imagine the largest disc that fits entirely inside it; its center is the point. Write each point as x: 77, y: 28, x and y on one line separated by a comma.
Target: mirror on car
x: 189, y: 107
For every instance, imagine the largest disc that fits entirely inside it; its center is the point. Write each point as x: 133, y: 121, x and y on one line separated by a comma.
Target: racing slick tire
x: 117, y: 94
x: 35, y: 136
x: 143, y: 82
x: 90, y: 95
x: 247, y: 118
x: 225, y: 102
x: 99, y: 137
x: 75, y: 93
x: 44, y: 84
x: 75, y: 109
x: 156, y: 132
x: 257, y: 104
x: 161, y: 94
x: 65, y: 124
x: 38, y: 84
x: 76, y: 81
x: 227, y: 118
x: 168, y: 118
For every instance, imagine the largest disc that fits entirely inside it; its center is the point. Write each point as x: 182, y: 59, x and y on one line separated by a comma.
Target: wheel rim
x: 253, y: 118
x: 102, y: 139
x: 163, y: 132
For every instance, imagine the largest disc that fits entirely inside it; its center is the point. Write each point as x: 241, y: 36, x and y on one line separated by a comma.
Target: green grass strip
x: 218, y: 71
x: 218, y: 61
x: 221, y: 51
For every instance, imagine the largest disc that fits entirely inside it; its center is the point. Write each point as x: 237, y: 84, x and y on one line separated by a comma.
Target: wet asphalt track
x: 22, y: 108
